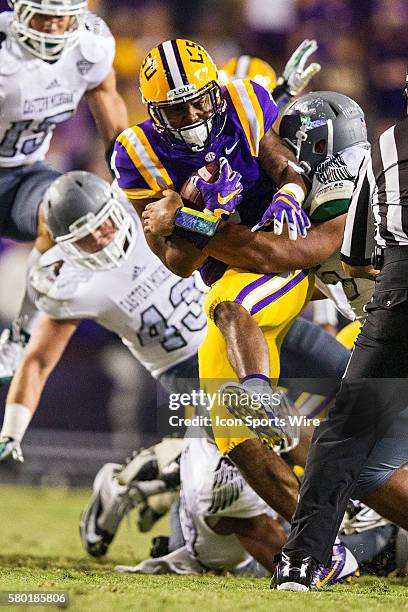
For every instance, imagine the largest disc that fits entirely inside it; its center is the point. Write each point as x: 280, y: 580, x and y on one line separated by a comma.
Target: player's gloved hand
x: 295, y: 76
x: 222, y: 196
x: 13, y: 342
x: 286, y: 207
x: 10, y: 449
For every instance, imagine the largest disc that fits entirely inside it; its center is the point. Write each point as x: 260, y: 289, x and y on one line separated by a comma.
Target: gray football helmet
x: 320, y: 124
x: 77, y: 205
x: 47, y: 46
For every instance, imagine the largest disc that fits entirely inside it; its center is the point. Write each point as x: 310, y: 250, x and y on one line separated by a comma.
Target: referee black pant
x: 373, y: 392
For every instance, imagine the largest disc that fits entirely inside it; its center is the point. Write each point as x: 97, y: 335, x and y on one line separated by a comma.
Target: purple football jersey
x: 146, y: 163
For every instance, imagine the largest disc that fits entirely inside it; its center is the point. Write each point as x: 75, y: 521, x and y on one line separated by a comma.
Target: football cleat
x: 13, y: 341
x: 149, y: 474
x: 160, y: 461
x: 258, y: 416
x: 359, y: 518
x: 108, y: 505
x: 343, y: 567
x: 294, y: 573
x: 11, y: 449
x: 147, y: 516
x: 160, y: 547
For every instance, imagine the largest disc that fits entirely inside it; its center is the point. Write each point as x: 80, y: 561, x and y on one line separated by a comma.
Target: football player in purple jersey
x: 193, y: 122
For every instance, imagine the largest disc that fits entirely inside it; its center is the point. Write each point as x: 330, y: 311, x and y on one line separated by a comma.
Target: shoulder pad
x: 9, y: 63
x: 5, y: 20
x: 96, y: 39
x: 56, y: 278
x: 255, y: 109
x: 10, y: 51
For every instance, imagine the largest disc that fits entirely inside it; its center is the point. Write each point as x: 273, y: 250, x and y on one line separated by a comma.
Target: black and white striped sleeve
x: 358, y: 241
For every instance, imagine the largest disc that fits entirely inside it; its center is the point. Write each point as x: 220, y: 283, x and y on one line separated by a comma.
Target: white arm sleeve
x: 324, y: 312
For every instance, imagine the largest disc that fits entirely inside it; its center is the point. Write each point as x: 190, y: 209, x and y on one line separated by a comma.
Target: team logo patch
x: 209, y: 157
x: 84, y: 66
x: 229, y: 150
x: 137, y: 270
x: 150, y: 66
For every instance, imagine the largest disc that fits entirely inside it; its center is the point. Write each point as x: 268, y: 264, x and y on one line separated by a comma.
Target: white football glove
x: 11, y: 449
x: 295, y: 76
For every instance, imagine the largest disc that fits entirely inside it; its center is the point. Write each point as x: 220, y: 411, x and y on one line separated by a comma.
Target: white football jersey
x: 36, y: 95
x: 332, y: 189
x: 213, y: 487
x: 158, y: 315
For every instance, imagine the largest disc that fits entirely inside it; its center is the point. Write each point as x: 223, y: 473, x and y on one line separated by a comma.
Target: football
x: 190, y: 194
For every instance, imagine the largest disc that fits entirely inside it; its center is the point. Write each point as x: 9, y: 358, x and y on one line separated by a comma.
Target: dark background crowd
x: 363, y: 50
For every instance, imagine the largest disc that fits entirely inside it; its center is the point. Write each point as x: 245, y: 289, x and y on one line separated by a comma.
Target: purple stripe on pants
x: 275, y: 296
x: 254, y: 285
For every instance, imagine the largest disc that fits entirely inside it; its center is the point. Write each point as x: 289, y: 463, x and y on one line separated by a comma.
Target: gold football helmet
x: 179, y: 72
x: 247, y: 67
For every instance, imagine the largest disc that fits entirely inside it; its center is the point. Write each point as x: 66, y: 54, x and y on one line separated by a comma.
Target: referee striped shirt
x: 358, y: 241
x: 381, y: 194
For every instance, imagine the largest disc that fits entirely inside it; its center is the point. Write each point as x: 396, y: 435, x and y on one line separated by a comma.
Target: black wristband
x: 108, y: 156
x: 281, y: 95
x: 198, y: 240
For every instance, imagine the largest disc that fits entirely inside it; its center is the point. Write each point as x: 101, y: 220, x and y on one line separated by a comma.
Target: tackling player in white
x: 102, y: 269
x: 52, y: 53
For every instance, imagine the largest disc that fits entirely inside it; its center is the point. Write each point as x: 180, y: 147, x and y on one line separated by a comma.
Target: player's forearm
x: 109, y: 111
x: 177, y: 254
x: 260, y: 252
x: 361, y: 271
x: 44, y: 350
x: 274, y: 156
x: 28, y: 382
x: 267, y: 253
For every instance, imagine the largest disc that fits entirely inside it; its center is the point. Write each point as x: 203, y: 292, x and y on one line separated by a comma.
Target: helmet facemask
x: 47, y: 46
x: 113, y: 254
x: 311, y: 140
x: 200, y: 134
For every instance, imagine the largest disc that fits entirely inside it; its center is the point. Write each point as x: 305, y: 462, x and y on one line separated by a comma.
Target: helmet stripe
x: 166, y: 67
x: 172, y: 65
x: 242, y: 67
x: 329, y: 137
x: 179, y: 62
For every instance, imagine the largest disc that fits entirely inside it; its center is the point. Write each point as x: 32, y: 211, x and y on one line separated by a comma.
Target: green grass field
x: 41, y: 550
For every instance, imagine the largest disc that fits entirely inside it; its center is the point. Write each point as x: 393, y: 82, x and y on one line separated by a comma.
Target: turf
x: 41, y: 550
